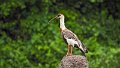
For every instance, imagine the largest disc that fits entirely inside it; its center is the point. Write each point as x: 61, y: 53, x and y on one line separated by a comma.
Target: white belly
x: 71, y: 42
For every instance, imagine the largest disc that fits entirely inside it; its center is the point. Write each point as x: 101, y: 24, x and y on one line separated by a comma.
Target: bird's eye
x: 59, y: 15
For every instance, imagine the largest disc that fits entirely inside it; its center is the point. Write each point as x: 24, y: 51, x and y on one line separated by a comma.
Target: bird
x: 69, y: 37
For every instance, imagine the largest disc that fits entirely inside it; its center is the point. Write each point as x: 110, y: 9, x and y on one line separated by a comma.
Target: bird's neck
x: 62, y: 25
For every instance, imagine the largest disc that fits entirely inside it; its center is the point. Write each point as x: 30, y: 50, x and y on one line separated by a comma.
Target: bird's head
x: 59, y: 16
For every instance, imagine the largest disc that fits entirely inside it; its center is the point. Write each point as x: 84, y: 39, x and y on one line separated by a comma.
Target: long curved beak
x: 52, y: 19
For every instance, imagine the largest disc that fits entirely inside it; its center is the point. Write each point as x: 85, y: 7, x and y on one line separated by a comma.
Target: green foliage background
x: 28, y: 41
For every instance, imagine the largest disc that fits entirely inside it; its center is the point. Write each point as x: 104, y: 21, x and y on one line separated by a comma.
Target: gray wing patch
x: 67, y: 34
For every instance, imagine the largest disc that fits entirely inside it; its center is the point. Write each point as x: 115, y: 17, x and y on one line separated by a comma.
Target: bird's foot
x: 68, y: 54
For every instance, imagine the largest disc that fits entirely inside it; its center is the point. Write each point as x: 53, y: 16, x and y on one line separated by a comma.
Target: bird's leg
x: 68, y: 51
x: 71, y: 49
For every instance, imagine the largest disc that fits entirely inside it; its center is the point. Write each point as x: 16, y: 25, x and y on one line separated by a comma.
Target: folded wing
x: 72, y: 39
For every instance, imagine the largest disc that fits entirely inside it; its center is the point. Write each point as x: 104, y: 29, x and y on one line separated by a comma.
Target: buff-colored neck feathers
x: 62, y: 25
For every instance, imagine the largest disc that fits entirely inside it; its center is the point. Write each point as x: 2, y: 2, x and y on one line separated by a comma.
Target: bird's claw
x: 68, y: 54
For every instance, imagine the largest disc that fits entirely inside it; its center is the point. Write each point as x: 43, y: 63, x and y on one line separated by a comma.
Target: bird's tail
x: 83, y: 53
x: 82, y: 48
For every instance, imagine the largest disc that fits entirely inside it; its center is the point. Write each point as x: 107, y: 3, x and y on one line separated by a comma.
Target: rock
x: 74, y: 61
